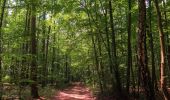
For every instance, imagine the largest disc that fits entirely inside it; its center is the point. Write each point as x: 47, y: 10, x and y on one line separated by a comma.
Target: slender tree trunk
x: 108, y: 47
x: 1, y: 22
x: 53, y: 59
x: 97, y: 62
x: 101, y: 64
x: 95, y: 53
x: 44, y: 68
x: 129, y: 63
x: 142, y: 53
x: 66, y: 68
x: 46, y: 54
x: 154, y: 82
x: 167, y: 34
x: 27, y: 45
x: 162, y: 52
x: 115, y: 65
x: 168, y: 53
x: 133, y: 81
x: 33, y: 75
x: 98, y: 49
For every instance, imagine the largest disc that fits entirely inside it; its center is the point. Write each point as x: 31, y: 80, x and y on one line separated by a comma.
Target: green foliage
x: 6, y: 79
x: 65, y: 30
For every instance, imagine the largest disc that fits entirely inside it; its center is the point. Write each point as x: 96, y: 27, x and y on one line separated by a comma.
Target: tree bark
x: 102, y: 76
x: 154, y: 82
x: 129, y: 63
x: 33, y: 75
x: 114, y: 55
x: 142, y: 53
x: 1, y: 22
x: 162, y: 52
x: 108, y: 48
x: 53, y: 59
x: 167, y: 34
x: 95, y: 53
x: 44, y: 69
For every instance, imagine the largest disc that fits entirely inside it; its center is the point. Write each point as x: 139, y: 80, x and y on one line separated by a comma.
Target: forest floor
x: 76, y: 91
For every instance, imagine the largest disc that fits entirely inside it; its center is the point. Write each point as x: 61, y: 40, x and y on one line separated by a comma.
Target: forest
x: 84, y: 49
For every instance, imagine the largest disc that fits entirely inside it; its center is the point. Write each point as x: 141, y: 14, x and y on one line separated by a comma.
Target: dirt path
x: 75, y: 92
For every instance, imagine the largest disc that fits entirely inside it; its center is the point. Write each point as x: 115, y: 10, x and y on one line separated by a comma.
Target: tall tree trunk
x: 142, y: 53
x: 162, y: 52
x: 46, y: 54
x: 129, y: 63
x: 114, y: 56
x: 102, y: 76
x: 53, y: 59
x: 109, y: 50
x: 97, y: 62
x: 44, y: 67
x: 33, y: 75
x: 108, y: 47
x: 154, y: 82
x: 28, y: 42
x: 1, y: 21
x: 66, y: 68
x: 95, y: 53
x: 167, y: 34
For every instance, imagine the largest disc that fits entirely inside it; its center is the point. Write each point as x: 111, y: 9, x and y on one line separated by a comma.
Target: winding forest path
x: 75, y: 92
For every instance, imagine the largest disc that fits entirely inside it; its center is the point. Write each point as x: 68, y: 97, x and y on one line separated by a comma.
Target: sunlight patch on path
x: 77, y: 92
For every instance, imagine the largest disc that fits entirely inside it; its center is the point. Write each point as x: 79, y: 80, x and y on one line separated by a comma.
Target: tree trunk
x: 102, y: 76
x: 129, y: 63
x: 1, y: 22
x: 53, y: 59
x: 97, y: 62
x: 162, y: 52
x: 154, y: 82
x: 114, y: 56
x: 44, y: 52
x: 142, y: 53
x: 33, y: 75
x: 167, y: 34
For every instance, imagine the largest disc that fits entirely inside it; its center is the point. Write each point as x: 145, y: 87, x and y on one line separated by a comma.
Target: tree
x: 52, y: 43
x: 129, y: 57
x: 44, y: 64
x: 154, y: 83
x: 162, y: 53
x: 1, y: 22
x: 142, y: 53
x: 114, y: 51
x: 33, y: 75
x: 167, y: 45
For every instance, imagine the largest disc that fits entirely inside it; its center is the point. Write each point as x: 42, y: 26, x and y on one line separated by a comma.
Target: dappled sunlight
x: 76, y: 92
